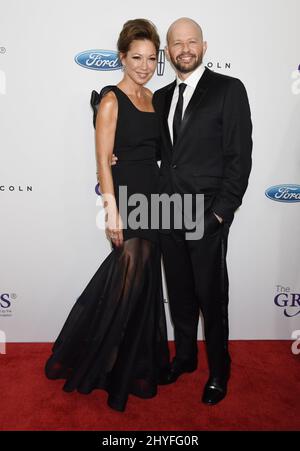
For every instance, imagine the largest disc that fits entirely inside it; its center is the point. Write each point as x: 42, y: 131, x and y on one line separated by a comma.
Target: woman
x: 115, y: 335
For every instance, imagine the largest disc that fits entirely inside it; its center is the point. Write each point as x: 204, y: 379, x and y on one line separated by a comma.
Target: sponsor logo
x: 99, y: 60
x: 6, y: 302
x: 216, y: 65
x: 284, y: 193
x: 161, y: 62
x: 16, y: 188
x: 287, y: 301
x: 106, y: 60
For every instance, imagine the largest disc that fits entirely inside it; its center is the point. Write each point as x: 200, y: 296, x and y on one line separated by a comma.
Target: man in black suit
x: 206, y: 148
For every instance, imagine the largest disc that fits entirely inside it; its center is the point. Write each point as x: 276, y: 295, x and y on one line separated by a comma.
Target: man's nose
x: 185, y: 47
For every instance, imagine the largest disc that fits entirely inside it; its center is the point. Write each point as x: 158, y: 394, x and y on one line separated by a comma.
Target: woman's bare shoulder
x: 108, y: 106
x: 109, y: 100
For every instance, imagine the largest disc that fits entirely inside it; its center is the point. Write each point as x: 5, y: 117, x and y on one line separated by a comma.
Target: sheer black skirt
x: 115, y: 337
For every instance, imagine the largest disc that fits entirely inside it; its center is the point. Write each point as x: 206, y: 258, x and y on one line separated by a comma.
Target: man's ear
x: 204, y: 47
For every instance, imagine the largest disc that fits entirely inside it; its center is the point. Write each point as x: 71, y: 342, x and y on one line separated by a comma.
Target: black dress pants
x: 197, y: 281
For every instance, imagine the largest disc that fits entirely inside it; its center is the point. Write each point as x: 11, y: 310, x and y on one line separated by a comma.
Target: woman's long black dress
x: 115, y: 336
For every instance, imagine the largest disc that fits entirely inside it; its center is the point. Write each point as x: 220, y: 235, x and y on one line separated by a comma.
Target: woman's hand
x: 114, y: 227
x: 113, y: 159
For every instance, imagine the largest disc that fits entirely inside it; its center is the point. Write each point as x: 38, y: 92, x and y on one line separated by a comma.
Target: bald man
x: 205, y: 148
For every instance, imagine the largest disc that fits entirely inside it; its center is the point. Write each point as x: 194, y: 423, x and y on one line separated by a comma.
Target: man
x: 206, y: 148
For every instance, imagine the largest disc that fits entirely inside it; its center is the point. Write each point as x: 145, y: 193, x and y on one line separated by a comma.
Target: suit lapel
x: 194, y: 103
x: 167, y: 105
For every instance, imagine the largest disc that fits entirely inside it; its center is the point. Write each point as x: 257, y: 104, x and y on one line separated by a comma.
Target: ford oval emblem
x: 284, y: 193
x: 99, y: 60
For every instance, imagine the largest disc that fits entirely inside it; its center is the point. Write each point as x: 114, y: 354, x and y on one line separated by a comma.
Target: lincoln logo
x: 161, y: 62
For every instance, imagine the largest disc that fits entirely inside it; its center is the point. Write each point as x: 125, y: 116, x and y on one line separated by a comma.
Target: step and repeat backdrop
x: 53, y: 53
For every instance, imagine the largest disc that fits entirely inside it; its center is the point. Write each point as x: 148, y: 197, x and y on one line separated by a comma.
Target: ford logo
x: 284, y: 193
x: 99, y: 60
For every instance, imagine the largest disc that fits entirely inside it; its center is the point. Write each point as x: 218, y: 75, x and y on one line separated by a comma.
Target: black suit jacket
x: 212, y: 154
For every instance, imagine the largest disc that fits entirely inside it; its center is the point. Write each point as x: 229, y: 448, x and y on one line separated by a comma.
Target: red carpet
x: 264, y: 394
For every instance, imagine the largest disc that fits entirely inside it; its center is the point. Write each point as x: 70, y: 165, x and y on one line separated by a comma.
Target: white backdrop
x: 50, y: 243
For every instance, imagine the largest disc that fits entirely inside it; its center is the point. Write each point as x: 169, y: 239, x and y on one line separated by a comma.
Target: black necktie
x: 178, y: 113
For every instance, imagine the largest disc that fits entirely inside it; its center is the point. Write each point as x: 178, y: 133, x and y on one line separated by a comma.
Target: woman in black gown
x: 115, y: 336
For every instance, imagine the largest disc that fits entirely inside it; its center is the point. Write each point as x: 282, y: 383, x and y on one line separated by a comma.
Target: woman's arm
x: 105, y: 136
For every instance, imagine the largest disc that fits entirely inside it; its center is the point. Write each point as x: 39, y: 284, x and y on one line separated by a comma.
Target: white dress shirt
x: 191, y: 81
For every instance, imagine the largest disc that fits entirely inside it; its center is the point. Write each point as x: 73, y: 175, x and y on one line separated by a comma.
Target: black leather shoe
x: 177, y: 368
x: 214, y: 391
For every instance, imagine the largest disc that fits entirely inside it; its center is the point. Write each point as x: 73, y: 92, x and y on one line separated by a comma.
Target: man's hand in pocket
x: 211, y: 223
